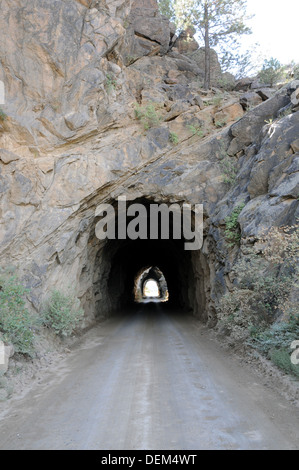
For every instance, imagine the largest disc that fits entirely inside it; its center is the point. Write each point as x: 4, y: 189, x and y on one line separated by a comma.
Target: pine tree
x: 166, y: 8
x: 220, y: 23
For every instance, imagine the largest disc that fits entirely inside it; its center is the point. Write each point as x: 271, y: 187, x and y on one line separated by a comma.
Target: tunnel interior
x: 111, y: 267
x: 132, y: 256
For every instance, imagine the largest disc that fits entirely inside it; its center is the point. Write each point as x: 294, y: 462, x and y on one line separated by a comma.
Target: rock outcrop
x: 70, y: 140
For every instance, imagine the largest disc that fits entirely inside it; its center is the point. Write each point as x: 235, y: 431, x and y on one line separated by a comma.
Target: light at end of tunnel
x: 151, y: 289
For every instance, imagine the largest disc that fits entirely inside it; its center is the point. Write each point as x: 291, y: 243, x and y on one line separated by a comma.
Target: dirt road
x: 150, y: 381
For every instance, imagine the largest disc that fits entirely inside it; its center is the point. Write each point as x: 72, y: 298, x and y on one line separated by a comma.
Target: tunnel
x: 111, y: 266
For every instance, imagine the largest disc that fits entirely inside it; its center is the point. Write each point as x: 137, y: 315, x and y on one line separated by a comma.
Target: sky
x: 276, y: 28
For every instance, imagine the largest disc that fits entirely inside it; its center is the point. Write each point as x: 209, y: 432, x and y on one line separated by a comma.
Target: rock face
x: 70, y: 140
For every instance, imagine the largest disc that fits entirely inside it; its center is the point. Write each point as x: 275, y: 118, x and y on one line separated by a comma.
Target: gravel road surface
x: 150, y: 380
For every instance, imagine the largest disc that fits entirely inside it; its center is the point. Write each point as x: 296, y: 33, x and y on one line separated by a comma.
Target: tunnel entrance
x: 115, y: 272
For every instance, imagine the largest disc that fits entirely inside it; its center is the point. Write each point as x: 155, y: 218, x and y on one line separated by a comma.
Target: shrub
x: 16, y: 323
x: 277, y: 337
x: 226, y: 82
x: 110, y: 82
x: 282, y: 359
x: 130, y: 59
x: 174, y: 138
x: 147, y: 115
x: 196, y: 130
x: 229, y: 169
x: 267, y: 274
x: 62, y: 313
x: 271, y: 72
x: 232, y: 227
x: 3, y: 115
x: 265, y: 290
x: 221, y: 123
x: 215, y: 101
x: 275, y: 343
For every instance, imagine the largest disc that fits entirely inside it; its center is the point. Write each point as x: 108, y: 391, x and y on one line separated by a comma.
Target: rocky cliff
x: 76, y: 74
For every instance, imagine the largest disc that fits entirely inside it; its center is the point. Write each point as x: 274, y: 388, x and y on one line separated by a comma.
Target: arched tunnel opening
x: 112, y: 266
x: 150, y: 283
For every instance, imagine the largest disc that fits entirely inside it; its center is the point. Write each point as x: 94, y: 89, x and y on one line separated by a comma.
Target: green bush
x: 147, y: 115
x: 278, y: 336
x: 282, y: 359
x: 16, y: 323
x: 215, y: 101
x: 173, y: 138
x: 232, y: 227
x: 3, y: 115
x: 196, y: 130
x: 62, y: 313
x: 110, y: 82
x: 221, y: 123
x: 228, y: 167
x: 275, y: 342
x: 265, y: 277
x: 262, y: 300
x: 271, y: 72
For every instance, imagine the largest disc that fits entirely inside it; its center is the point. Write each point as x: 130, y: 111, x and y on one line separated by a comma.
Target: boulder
x: 147, y: 32
x: 266, y: 93
x: 229, y: 113
x: 246, y: 130
x: 244, y: 84
x: 250, y: 100
x: 199, y: 101
x: 295, y: 146
x: 185, y: 43
x: 271, y: 167
x: 257, y: 84
x: 227, y: 81
x: 198, y: 56
x: 295, y: 97
x: 186, y: 63
x: 263, y: 213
